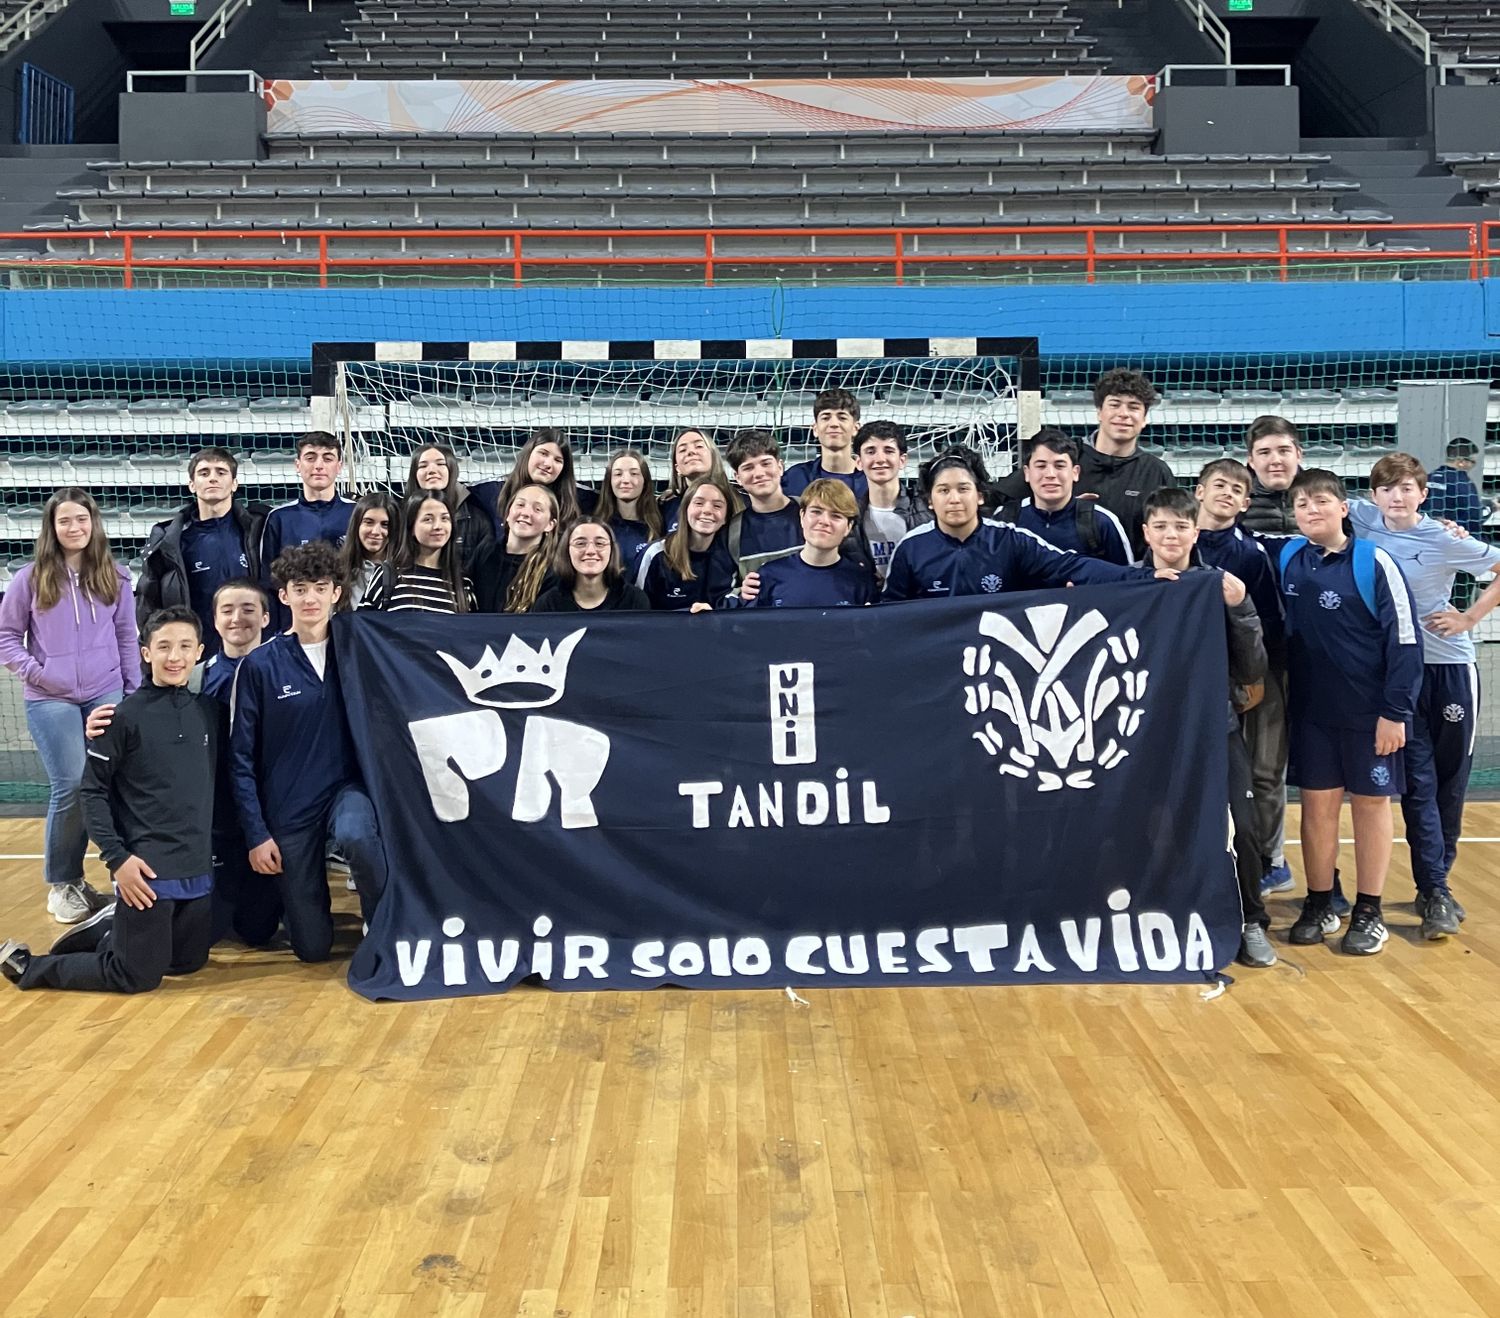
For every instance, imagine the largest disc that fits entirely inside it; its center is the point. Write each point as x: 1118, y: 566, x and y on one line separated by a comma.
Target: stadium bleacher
x: 1480, y: 172
x: 364, y: 183
x: 708, y: 38
x: 1465, y: 30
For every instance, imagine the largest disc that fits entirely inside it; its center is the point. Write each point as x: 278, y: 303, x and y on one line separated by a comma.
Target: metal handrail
x: 1211, y: 26
x: 1476, y: 246
x: 1231, y: 72
x: 191, y: 77
x: 24, y: 22
x: 1491, y: 67
x: 214, y: 30
x: 1395, y: 19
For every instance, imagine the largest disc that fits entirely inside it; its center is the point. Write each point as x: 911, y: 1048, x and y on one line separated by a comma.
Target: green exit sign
x: 1241, y: 6
x: 187, y: 8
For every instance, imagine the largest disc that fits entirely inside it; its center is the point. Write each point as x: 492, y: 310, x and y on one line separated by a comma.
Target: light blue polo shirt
x: 1429, y: 558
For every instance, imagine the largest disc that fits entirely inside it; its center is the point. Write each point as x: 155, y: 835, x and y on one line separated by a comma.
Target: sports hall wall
x: 1108, y: 320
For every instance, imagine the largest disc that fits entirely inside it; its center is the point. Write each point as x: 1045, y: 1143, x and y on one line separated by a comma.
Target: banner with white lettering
x: 999, y: 789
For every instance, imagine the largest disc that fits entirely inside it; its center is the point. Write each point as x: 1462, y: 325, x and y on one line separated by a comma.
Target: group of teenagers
x: 193, y: 725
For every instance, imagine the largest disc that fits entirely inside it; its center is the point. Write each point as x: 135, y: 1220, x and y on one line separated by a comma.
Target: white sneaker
x: 68, y: 903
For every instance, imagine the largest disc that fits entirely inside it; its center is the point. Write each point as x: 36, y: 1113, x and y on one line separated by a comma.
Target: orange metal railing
x: 1474, y: 246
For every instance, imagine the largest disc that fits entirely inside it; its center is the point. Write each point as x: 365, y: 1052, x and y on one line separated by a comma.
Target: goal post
x: 383, y: 400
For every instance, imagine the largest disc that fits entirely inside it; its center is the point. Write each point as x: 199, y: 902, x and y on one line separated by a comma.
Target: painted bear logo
x: 458, y: 749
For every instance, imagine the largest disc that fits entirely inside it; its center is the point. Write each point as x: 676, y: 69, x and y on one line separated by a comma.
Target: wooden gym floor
x: 1323, y: 1139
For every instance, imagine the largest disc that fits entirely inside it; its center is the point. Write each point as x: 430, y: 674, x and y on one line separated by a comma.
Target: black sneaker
x: 86, y: 935
x: 1255, y: 947
x: 1313, y: 925
x: 1366, y: 934
x: 1439, y: 913
x: 1419, y: 905
x: 14, y: 958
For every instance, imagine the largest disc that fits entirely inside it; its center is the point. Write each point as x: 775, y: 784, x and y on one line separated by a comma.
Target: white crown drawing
x: 543, y: 670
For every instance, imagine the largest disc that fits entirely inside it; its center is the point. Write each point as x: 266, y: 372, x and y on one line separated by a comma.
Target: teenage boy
x: 1049, y: 463
x: 816, y: 576
x: 887, y: 512
x: 318, y: 512
x: 1275, y: 457
x: 1223, y: 493
x: 1354, y: 669
x: 1450, y: 489
x: 769, y: 524
x: 835, y: 421
x: 1274, y: 448
x: 210, y: 541
x: 245, y: 903
x: 295, y: 778
x: 961, y: 553
x: 1112, y: 466
x: 1173, y: 540
x: 1440, y: 747
x: 148, y: 793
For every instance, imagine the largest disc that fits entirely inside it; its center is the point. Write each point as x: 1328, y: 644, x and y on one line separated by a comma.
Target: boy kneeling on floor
x: 148, y: 799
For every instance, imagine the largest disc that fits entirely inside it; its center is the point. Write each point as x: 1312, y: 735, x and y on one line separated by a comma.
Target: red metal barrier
x: 1476, y: 245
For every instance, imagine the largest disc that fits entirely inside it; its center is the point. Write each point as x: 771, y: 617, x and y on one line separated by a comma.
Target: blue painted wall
x: 1114, y: 320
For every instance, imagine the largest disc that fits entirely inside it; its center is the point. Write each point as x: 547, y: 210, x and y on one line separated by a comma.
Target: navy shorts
x: 1321, y: 757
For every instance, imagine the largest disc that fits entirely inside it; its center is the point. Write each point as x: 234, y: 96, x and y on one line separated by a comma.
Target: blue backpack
x: 1364, y: 570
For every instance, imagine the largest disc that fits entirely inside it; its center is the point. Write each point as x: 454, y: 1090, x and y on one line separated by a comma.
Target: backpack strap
x: 1364, y: 574
x: 1362, y: 560
x: 735, y: 534
x: 1288, y: 552
x: 1087, y: 524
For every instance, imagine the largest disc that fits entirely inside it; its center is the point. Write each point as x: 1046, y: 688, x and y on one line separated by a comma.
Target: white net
x: 385, y: 410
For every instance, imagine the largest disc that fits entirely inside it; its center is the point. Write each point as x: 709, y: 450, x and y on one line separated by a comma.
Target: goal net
x: 485, y: 405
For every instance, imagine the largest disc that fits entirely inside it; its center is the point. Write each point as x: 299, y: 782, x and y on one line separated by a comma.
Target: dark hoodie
x: 1242, y: 631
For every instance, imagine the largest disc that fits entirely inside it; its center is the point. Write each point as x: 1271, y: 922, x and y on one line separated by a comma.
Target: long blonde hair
x: 717, y: 472
x: 97, y: 573
x: 526, y: 585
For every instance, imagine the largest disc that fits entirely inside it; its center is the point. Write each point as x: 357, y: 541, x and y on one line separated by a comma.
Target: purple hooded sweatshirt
x: 79, y: 649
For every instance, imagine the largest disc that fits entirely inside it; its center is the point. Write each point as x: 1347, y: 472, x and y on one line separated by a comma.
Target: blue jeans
x: 57, y: 729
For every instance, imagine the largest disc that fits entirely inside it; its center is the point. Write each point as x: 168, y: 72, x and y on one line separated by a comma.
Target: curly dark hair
x: 1124, y: 383
x: 317, y: 560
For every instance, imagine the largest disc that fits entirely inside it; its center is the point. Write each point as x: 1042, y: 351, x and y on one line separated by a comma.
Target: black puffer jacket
x: 1270, y: 511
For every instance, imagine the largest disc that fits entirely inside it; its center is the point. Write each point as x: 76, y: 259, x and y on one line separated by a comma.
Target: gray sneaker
x: 1440, y: 916
x: 14, y: 958
x: 68, y: 903
x: 1255, y: 947
x: 1419, y: 905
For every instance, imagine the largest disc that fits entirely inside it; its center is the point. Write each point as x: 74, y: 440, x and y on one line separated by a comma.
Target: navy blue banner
x: 1004, y: 789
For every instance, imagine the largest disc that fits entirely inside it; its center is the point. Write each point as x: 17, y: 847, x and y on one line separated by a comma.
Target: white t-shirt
x: 884, y: 526
x: 317, y: 656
